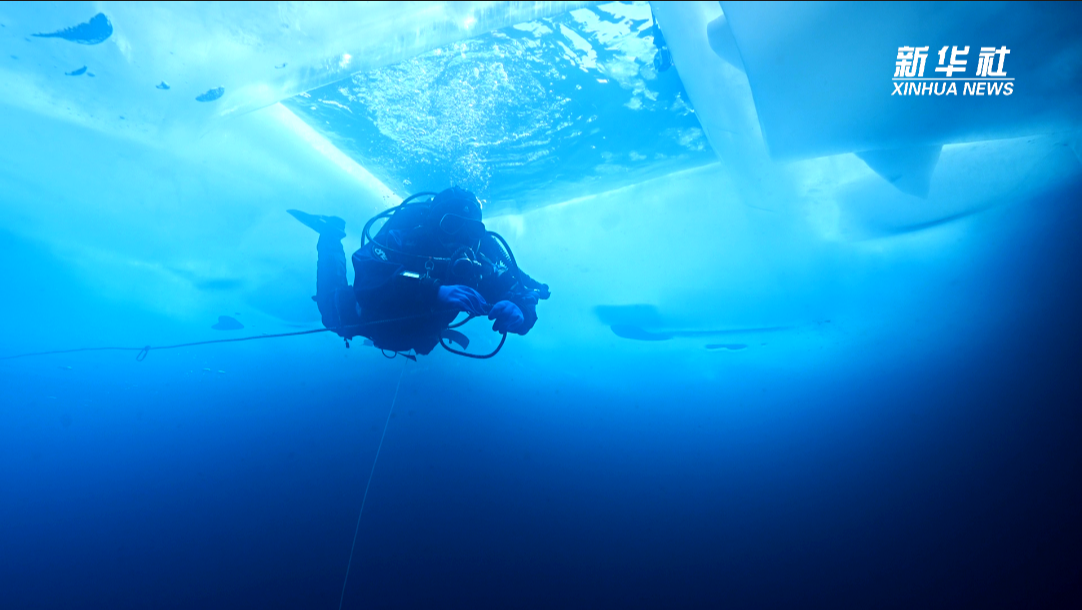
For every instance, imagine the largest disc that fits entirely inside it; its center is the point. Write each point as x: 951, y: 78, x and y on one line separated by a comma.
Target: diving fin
x: 332, y: 226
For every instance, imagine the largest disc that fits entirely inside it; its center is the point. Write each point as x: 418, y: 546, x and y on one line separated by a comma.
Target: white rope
x: 369, y: 484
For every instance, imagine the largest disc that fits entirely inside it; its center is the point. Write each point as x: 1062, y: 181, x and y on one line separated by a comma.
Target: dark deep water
x: 942, y: 477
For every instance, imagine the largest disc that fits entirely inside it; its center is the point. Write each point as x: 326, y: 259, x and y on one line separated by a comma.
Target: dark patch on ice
x: 633, y: 331
x: 95, y: 31
x: 227, y: 323
x: 79, y: 72
x: 938, y: 222
x: 211, y: 95
x: 209, y: 283
x: 729, y: 346
x: 642, y: 322
x: 164, y: 86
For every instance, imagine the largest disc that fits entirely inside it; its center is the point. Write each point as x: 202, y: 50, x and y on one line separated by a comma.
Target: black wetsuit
x: 393, y: 300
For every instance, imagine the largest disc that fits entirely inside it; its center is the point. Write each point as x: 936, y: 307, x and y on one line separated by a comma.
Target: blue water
x: 905, y: 435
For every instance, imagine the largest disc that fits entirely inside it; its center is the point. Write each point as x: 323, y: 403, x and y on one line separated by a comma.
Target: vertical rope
x: 369, y: 484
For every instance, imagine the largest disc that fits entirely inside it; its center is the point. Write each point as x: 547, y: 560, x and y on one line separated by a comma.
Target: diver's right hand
x: 462, y: 298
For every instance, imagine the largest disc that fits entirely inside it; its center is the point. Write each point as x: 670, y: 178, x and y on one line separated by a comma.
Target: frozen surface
x: 244, y: 55
x: 723, y: 61
x: 535, y: 115
x: 542, y: 111
x: 821, y: 72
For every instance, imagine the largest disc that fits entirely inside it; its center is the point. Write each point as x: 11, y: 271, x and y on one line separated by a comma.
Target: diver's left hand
x: 508, y: 317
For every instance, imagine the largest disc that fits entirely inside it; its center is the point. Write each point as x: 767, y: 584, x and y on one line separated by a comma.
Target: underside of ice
x: 721, y: 192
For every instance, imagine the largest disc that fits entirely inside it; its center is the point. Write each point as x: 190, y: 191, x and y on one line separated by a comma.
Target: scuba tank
x: 464, y: 263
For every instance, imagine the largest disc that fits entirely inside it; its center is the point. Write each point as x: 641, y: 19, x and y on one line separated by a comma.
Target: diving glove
x: 462, y: 298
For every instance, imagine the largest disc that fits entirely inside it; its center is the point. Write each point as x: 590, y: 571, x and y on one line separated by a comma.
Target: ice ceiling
x: 533, y: 113
x: 172, y: 198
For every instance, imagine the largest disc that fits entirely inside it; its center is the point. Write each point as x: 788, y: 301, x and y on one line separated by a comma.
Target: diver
x: 432, y: 259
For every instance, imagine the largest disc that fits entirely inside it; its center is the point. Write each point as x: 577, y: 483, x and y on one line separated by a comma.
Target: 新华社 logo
x: 949, y: 76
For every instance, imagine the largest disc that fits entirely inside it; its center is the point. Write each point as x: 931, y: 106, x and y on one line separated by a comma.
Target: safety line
x: 148, y: 348
x: 368, y: 485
